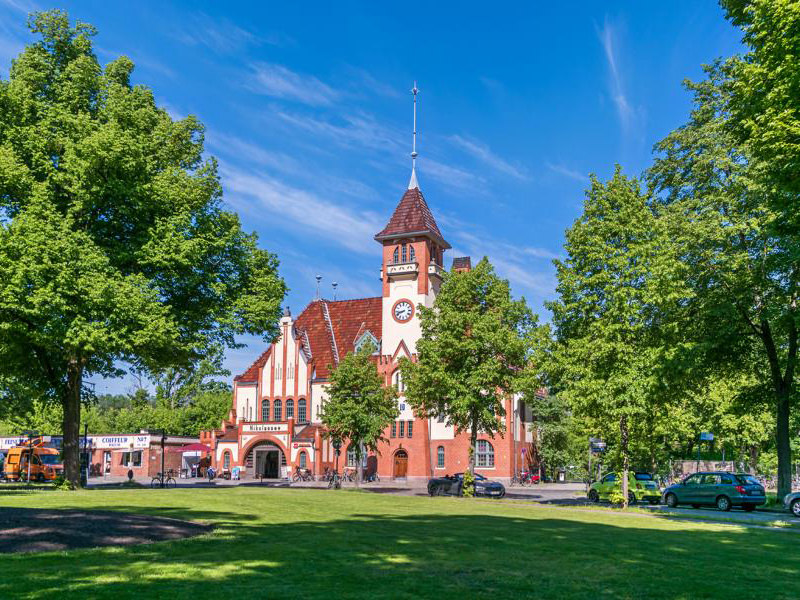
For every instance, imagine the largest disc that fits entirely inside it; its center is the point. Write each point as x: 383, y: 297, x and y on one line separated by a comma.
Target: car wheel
x: 795, y: 508
x: 724, y: 503
x: 749, y: 507
x: 695, y: 506
x: 671, y: 500
x: 432, y: 489
x: 593, y: 496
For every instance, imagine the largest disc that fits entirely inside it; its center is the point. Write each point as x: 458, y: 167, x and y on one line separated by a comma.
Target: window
x: 396, y: 255
x: 411, y: 256
x: 402, y: 428
x: 398, y: 381
x: 693, y: 479
x: 351, y: 456
x: 727, y: 479
x: 440, y: 418
x: 410, y: 429
x: 301, y: 411
x: 303, y: 459
x: 394, y: 428
x: 289, y: 409
x: 440, y: 457
x: 265, y: 410
x: 485, y: 457
x: 610, y: 478
x: 278, y: 411
x: 132, y: 458
x: 404, y: 253
x: 226, y: 461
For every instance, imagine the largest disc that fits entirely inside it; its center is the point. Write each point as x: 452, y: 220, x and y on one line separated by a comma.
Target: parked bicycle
x: 162, y: 480
x: 302, y: 475
x: 334, y: 480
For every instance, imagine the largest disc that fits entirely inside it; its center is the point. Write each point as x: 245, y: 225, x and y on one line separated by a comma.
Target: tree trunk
x: 783, y: 440
x: 623, y: 431
x: 358, y: 465
x: 753, y: 459
x: 71, y: 402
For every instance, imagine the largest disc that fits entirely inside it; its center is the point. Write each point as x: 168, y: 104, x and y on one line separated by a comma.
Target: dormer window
x: 367, y: 338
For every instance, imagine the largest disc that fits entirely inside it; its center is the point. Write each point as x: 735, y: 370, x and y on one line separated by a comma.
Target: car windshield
x: 49, y: 459
x: 643, y: 477
x: 746, y: 479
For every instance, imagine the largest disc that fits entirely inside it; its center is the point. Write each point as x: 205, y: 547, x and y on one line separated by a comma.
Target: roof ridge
x: 329, y: 326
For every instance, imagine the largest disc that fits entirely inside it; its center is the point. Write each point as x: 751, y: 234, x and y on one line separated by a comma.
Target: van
x: 46, y: 464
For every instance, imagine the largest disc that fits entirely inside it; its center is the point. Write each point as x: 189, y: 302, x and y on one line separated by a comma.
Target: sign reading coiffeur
x: 123, y: 442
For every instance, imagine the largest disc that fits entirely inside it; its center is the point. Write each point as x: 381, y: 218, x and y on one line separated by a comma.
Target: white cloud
x: 277, y: 81
x: 220, y: 35
x: 567, y: 172
x: 307, y: 213
x: 629, y: 115
x: 484, y: 154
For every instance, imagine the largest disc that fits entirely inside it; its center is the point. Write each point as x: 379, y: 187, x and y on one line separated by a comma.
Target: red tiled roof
x: 349, y: 319
x: 462, y: 262
x: 252, y: 372
x: 412, y: 215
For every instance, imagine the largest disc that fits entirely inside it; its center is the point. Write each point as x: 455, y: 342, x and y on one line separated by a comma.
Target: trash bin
x: 561, y: 476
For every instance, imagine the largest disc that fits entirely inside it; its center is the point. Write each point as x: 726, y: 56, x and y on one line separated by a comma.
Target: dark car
x: 451, y: 485
x: 720, y: 489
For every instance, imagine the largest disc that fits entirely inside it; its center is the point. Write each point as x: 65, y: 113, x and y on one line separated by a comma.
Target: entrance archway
x: 400, y: 464
x: 266, y: 460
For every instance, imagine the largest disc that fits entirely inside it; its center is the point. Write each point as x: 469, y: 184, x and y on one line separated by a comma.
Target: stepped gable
x: 251, y: 374
x: 412, y: 217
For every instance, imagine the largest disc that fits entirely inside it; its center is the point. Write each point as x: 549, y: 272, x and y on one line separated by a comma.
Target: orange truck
x: 45, y: 464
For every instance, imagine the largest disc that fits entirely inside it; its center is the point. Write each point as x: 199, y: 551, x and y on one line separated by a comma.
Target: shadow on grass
x: 423, y: 555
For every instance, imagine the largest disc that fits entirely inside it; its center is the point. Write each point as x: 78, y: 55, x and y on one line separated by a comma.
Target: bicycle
x: 334, y: 481
x: 163, y: 481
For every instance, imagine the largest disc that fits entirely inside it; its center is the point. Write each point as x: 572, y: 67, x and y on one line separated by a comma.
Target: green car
x: 641, y: 487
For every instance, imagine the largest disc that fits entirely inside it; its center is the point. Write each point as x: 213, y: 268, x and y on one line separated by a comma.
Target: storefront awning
x: 190, y: 448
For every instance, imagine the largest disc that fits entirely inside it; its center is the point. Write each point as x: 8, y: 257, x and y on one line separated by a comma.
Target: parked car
x: 792, y: 503
x: 720, y: 489
x: 451, y: 485
x: 641, y: 487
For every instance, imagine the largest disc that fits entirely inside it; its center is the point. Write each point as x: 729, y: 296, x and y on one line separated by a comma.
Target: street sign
x: 706, y: 437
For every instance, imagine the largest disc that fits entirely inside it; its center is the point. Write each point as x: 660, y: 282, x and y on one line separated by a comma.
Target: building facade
x: 274, y: 424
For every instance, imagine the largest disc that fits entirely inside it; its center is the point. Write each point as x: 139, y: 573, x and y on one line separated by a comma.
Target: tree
x: 604, y: 359
x: 113, y: 243
x: 359, y: 407
x: 178, y: 386
x: 740, y: 250
x: 470, y: 352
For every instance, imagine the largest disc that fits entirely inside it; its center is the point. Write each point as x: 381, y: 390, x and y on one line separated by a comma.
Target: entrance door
x: 271, y: 470
x: 400, y: 464
x: 261, y: 461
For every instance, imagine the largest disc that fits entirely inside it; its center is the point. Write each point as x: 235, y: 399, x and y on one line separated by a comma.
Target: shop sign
x: 122, y: 442
x: 263, y: 428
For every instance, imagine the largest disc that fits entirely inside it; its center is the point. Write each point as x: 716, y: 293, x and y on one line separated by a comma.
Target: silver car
x: 792, y: 503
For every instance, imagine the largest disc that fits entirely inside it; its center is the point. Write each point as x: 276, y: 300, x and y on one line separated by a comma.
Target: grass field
x: 280, y: 543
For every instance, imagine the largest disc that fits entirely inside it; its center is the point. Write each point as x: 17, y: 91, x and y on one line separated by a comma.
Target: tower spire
x: 413, y: 182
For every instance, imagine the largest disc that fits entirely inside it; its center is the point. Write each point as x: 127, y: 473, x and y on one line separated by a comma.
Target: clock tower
x: 411, y: 271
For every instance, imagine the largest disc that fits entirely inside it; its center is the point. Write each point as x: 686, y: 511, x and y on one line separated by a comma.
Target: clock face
x: 403, y: 311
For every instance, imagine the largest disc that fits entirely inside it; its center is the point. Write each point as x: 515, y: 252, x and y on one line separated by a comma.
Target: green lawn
x: 280, y: 543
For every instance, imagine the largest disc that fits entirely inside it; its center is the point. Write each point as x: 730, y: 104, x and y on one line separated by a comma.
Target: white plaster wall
x: 442, y: 431
x: 319, y: 394
x: 245, y: 399
x: 394, y: 332
x: 234, y: 450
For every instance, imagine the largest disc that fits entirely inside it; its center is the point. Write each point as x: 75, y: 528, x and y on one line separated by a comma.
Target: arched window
x: 396, y: 255
x: 485, y: 455
x: 278, y: 411
x: 440, y: 457
x: 411, y: 256
x: 351, y: 456
x: 404, y: 253
x: 301, y: 411
x: 398, y: 381
x: 303, y: 460
x: 265, y: 410
x: 226, y: 461
x: 289, y: 409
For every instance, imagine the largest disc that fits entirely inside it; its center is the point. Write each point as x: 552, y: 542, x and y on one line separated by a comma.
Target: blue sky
x: 308, y: 109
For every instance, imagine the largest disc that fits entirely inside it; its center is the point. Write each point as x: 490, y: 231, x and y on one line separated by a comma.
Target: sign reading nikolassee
x: 259, y: 428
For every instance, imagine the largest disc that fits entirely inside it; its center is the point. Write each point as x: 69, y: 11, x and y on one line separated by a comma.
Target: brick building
x: 274, y: 424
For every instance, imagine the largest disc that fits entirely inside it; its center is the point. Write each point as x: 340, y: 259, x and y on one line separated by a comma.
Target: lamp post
x: 337, y: 446
x: 31, y: 434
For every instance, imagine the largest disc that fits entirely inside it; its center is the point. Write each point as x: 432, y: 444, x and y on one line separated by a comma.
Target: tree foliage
x: 472, y: 349
x: 113, y: 242
x: 359, y: 407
